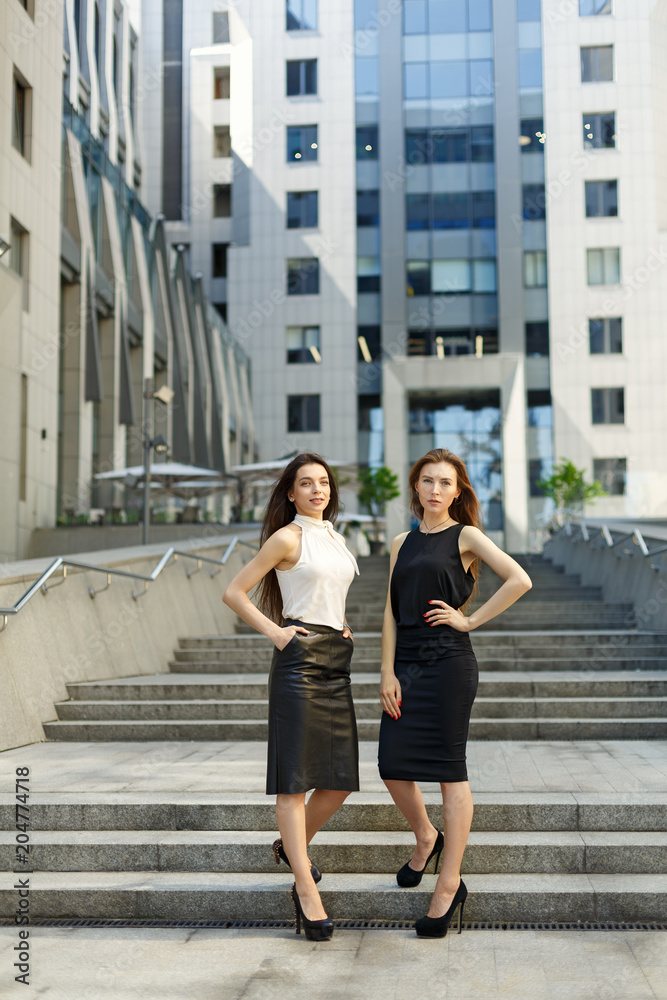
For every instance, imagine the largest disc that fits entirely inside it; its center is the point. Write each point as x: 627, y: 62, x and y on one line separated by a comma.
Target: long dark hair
x: 280, y: 510
x: 466, y: 508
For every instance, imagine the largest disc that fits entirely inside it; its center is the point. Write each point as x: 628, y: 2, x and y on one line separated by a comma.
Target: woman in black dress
x: 429, y: 670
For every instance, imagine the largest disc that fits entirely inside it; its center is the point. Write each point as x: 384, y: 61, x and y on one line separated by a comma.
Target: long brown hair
x: 280, y: 510
x: 466, y: 508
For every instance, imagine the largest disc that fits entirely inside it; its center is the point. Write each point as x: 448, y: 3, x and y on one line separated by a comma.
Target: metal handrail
x: 636, y: 536
x: 40, y: 584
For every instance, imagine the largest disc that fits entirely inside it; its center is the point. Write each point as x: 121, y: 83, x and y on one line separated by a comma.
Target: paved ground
x: 494, y: 766
x: 273, y: 964
x: 130, y: 964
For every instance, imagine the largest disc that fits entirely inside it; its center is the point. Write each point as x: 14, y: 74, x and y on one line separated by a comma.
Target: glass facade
x: 469, y: 425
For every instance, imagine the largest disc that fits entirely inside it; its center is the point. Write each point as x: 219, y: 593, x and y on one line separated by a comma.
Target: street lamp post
x: 164, y: 395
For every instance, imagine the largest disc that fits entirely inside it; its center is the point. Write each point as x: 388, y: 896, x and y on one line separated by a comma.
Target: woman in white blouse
x: 304, y: 571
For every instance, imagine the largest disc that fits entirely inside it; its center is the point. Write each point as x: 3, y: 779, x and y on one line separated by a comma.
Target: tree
x: 569, y: 490
x: 378, y: 487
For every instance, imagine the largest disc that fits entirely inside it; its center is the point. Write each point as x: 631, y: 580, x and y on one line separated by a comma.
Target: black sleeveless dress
x: 435, y: 664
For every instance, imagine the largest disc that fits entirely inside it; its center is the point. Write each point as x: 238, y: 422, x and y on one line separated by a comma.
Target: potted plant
x: 377, y: 488
x: 569, y: 490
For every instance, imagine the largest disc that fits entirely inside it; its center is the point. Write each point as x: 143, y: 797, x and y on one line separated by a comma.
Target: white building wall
x: 638, y: 94
x: 30, y: 193
x: 259, y: 308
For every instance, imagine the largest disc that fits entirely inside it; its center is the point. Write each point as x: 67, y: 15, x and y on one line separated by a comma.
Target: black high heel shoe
x: 436, y: 927
x: 279, y: 855
x: 408, y: 877
x: 316, y: 930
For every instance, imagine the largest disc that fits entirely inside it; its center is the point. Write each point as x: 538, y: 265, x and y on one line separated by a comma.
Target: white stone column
x: 396, y: 456
x: 514, y: 457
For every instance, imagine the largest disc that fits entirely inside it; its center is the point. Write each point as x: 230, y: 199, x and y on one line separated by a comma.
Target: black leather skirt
x: 312, y: 726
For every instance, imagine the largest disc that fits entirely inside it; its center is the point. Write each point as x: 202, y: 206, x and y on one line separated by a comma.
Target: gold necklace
x: 429, y: 530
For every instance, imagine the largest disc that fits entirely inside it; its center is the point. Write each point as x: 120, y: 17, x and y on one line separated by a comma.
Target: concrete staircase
x: 532, y: 855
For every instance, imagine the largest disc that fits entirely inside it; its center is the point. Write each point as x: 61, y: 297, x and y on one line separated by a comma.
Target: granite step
x: 606, y: 638
x: 585, y: 728
x: 554, y: 684
x: 374, y: 852
x: 367, y: 708
x: 369, y: 811
x: 515, y: 663
x: 242, y: 896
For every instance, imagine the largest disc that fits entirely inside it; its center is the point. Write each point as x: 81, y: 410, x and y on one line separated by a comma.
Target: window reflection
x: 469, y: 425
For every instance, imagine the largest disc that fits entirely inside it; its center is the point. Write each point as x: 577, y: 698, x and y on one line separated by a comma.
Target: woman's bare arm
x: 517, y: 582
x: 279, y: 547
x: 390, y: 688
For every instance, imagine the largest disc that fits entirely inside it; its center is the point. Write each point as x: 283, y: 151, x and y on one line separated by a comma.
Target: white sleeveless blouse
x: 314, y: 590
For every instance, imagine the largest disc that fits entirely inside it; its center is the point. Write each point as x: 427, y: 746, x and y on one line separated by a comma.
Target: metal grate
x: 390, y: 925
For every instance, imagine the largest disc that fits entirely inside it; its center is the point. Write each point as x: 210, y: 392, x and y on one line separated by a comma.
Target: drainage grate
x: 356, y: 925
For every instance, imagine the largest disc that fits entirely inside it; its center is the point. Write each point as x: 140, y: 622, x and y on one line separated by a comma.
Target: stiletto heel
x: 408, y: 877
x: 315, y: 930
x: 279, y: 855
x: 436, y: 927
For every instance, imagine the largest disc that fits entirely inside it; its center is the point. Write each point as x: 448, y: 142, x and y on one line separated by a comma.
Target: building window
x: 537, y: 340
x: 528, y: 10
x: 369, y: 343
x: 301, y: 15
x: 368, y: 274
x: 530, y: 68
x: 450, y: 210
x: 601, y: 198
x: 221, y: 83
x: 301, y: 209
x: 303, y: 276
x: 608, y: 406
x: 604, y: 266
x: 222, y: 143
x: 21, y: 116
x: 221, y: 309
x: 367, y: 142
x: 590, y: 8
x: 536, y: 472
x: 303, y: 345
x: 301, y: 77
x: 451, y: 276
x: 610, y: 472
x: 535, y: 269
x: 78, y: 25
x: 303, y: 413
x: 534, y: 202
x: 222, y: 201
x: 532, y: 136
x: 19, y: 258
x: 98, y: 37
x: 597, y: 63
x: 220, y: 27
x: 220, y: 260
x: 438, y: 18
x: 600, y: 131
x: 368, y: 208
x: 452, y: 342
x: 418, y: 277
x: 606, y: 335
x: 23, y: 454
x: 455, y: 78
x: 301, y: 143
x: 455, y: 145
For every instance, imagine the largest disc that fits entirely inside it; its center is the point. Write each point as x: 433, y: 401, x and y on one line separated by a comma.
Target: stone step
x: 554, y: 684
x: 515, y: 663
x: 526, y: 621
x: 585, y: 728
x: 243, y: 896
x: 494, y: 811
x: 367, y: 709
x: 375, y: 852
x: 608, y: 639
